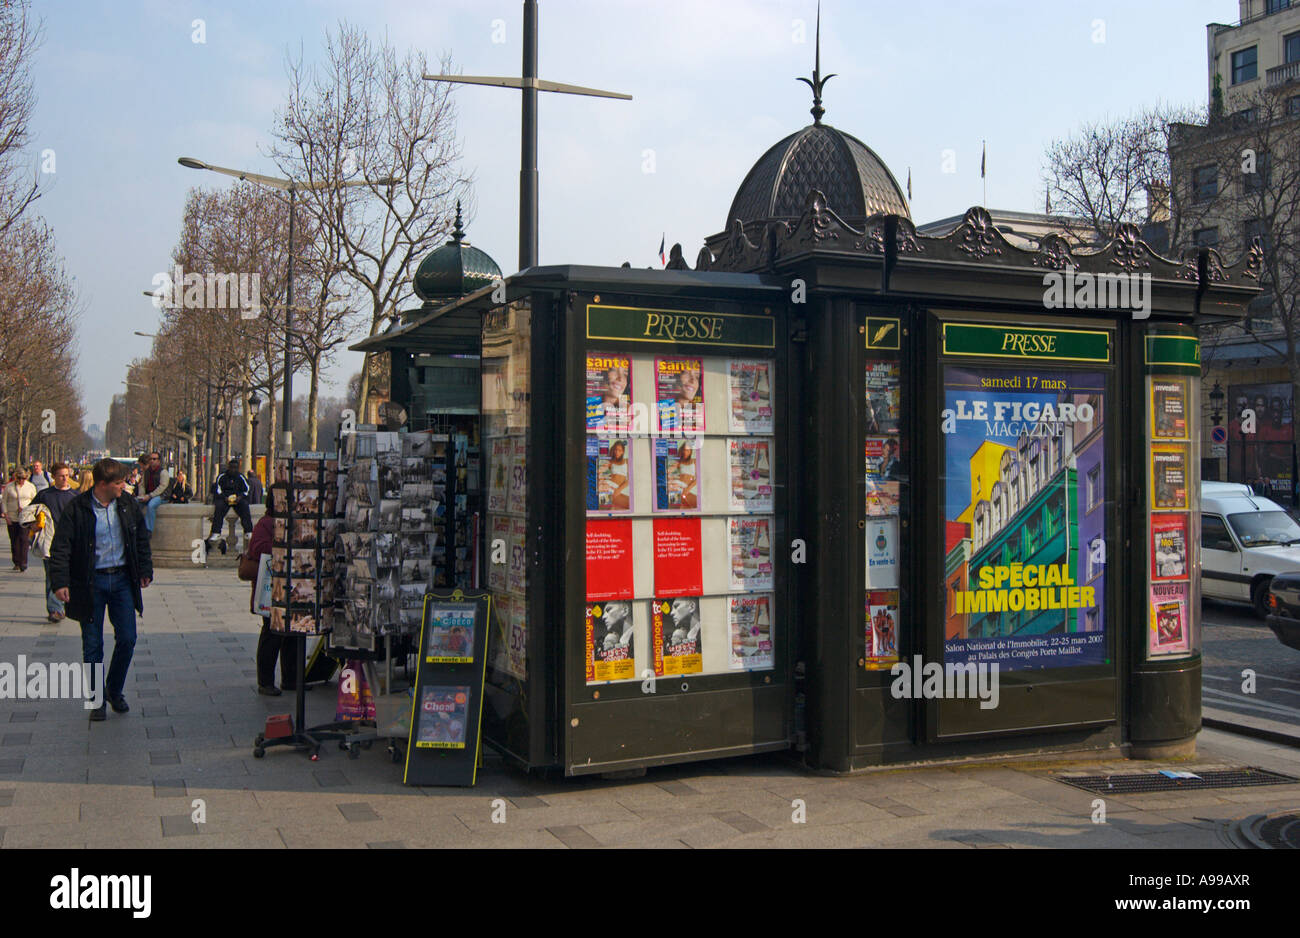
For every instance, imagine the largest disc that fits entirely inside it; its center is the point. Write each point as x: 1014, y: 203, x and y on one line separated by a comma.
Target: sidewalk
x: 133, y: 780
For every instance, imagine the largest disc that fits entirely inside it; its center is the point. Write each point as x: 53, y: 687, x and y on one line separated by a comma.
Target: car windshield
x: 1264, y: 528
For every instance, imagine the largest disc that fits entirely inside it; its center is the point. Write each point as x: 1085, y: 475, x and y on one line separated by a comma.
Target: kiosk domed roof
x: 454, y: 270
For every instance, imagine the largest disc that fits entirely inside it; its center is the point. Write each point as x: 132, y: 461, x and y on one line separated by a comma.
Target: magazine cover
x: 450, y: 633
x: 882, y: 397
x: 516, y: 502
x: 750, y: 621
x: 499, y: 474
x: 751, y: 553
x: 882, y: 553
x: 609, y: 475
x: 498, y: 553
x: 675, y: 635
x: 443, y: 718
x: 750, y: 384
x: 1169, y: 408
x: 882, y: 476
x: 882, y: 628
x: 677, y: 475
x: 609, y: 393
x: 611, y: 651
x: 751, y: 474
x: 1168, y: 477
x: 1168, y: 547
x: 679, y: 394
x: 1169, y: 623
x: 517, y: 631
x: 1039, y: 430
x: 517, y: 575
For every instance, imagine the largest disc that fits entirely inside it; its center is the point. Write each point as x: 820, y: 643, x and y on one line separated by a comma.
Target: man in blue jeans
x: 100, y: 562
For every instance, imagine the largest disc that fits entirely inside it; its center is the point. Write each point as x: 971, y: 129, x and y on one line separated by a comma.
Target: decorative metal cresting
x: 817, y: 82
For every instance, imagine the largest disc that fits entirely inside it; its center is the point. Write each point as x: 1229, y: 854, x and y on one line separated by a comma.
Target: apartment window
x: 1276, y: 6
x: 1259, y: 179
x: 1206, y: 237
x: 1293, y: 106
x: 1291, y: 48
x: 1245, y: 65
x: 1205, y: 183
x: 1094, y: 487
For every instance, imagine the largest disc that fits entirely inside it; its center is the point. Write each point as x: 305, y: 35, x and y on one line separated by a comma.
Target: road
x: 1235, y: 640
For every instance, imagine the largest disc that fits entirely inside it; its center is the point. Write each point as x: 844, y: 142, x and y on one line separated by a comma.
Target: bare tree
x: 366, y: 112
x: 20, y: 37
x: 1107, y: 173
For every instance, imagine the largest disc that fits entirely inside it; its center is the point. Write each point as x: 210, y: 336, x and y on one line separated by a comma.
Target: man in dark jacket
x: 230, y: 491
x: 100, y: 562
x: 58, y: 496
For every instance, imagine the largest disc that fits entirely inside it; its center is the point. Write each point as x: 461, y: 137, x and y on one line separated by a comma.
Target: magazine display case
x: 303, y: 561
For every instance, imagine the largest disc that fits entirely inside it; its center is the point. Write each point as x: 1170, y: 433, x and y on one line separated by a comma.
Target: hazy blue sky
x: 123, y: 91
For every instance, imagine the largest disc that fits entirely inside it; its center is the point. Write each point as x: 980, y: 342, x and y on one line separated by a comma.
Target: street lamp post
x: 292, y: 188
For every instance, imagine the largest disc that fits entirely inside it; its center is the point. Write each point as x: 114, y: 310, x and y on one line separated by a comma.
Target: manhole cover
x: 1279, y: 831
x: 1142, y: 782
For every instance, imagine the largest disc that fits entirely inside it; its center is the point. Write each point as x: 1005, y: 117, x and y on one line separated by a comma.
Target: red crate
x: 279, y: 725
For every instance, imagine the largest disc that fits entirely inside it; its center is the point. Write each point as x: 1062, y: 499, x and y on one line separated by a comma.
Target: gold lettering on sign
x: 1028, y: 343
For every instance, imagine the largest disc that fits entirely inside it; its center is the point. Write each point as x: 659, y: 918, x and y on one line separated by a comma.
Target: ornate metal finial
x: 458, y: 233
x: 817, y: 81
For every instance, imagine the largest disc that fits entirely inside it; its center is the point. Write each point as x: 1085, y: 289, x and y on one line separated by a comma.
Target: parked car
x: 1246, y: 541
x: 1284, y: 609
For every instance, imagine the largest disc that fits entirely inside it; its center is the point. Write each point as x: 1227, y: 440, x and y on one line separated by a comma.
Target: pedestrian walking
x: 100, y: 563
x: 255, y: 492
x: 87, y: 481
x: 180, y: 493
x: 16, y: 501
x: 55, y: 499
x: 38, y: 477
x: 230, y: 491
x: 270, y: 645
x: 153, y: 488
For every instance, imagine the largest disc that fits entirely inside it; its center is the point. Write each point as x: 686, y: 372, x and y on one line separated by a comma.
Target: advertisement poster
x: 443, y: 718
x: 677, y: 464
x: 609, y: 475
x: 751, y: 474
x: 751, y: 553
x: 611, y: 650
x: 882, y: 628
x: 1168, y: 476
x: 1169, y: 622
x: 609, y: 393
x: 751, y: 633
x: 1018, y: 445
x: 1169, y: 408
x: 883, y: 395
x: 1264, y: 456
x: 517, y: 495
x: 609, y: 560
x: 882, y: 553
x: 517, y: 576
x: 499, y: 474
x: 675, y: 635
x: 1168, y: 547
x: 882, y: 476
x: 679, y: 394
x: 679, y: 567
x: 450, y: 633
x: 499, y: 554
x: 517, y: 633
x: 751, y: 396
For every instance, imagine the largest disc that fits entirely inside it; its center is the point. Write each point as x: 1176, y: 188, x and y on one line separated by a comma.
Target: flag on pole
x: 662, y: 259
x: 984, y: 152
x: 909, y: 183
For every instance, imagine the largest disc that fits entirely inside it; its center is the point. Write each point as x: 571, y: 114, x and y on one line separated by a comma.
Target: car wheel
x: 1259, y: 596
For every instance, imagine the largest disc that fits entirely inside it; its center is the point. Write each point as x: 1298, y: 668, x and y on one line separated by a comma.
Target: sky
x: 124, y: 89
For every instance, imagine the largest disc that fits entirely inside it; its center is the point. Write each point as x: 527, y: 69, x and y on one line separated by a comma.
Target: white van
x: 1246, y: 540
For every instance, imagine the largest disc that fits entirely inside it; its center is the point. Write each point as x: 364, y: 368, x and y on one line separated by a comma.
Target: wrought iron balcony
x: 1283, y: 74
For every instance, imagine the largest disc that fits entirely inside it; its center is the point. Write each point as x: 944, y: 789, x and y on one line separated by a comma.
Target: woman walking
x: 17, y: 499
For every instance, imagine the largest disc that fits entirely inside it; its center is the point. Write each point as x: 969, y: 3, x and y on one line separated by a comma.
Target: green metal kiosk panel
x: 880, y: 718
x: 618, y: 734
x: 1172, y: 354
x: 1062, y: 704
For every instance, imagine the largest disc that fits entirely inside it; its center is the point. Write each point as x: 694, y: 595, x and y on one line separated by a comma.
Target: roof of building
x: 454, y: 270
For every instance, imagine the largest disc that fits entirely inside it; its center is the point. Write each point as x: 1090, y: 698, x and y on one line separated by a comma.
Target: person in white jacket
x: 16, y: 500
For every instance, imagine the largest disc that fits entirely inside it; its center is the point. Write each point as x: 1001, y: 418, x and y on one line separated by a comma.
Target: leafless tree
x: 20, y: 37
x: 366, y: 113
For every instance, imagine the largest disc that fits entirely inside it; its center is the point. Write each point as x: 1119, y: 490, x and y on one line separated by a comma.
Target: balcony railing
x: 1283, y: 74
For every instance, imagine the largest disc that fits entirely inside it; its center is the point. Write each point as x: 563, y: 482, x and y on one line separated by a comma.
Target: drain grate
x: 1281, y: 832
x: 1142, y: 782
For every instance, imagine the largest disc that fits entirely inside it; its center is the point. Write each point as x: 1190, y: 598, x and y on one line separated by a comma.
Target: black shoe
x: 221, y: 544
x: 268, y: 690
x: 99, y: 714
x: 119, y: 704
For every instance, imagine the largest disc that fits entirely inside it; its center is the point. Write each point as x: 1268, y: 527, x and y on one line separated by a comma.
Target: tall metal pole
x: 288, y: 340
x: 528, y: 176
x: 207, y: 442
